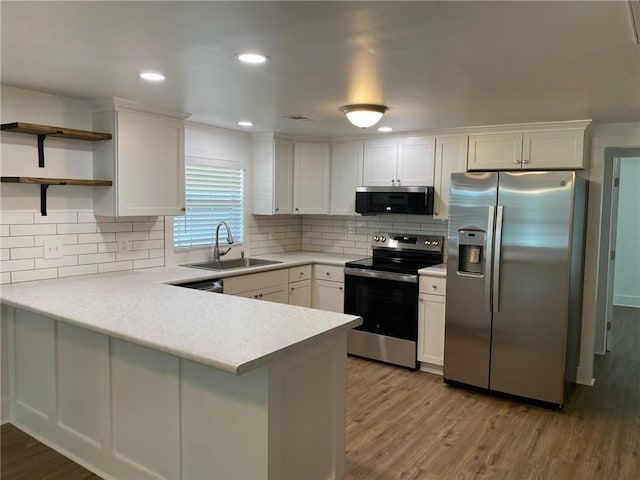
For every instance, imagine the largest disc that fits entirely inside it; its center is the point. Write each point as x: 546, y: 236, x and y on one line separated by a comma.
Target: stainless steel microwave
x: 409, y: 200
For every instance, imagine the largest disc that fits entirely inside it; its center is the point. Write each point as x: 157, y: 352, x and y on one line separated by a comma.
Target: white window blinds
x: 213, y: 194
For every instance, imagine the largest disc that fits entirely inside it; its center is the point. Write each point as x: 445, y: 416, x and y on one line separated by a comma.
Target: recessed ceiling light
x: 385, y: 129
x: 245, y: 123
x: 252, y: 57
x: 152, y: 76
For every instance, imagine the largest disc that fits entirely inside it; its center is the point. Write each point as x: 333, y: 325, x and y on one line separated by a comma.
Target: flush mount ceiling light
x: 254, y: 58
x: 152, y: 76
x: 245, y: 123
x: 364, y: 115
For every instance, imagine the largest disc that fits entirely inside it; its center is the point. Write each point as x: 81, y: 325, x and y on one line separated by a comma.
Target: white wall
x: 593, y: 328
x: 626, y: 289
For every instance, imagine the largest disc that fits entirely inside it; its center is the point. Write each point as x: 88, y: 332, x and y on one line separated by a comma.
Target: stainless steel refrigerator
x: 514, y: 282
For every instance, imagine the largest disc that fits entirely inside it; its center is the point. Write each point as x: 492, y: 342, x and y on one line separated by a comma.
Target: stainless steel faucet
x: 216, y: 250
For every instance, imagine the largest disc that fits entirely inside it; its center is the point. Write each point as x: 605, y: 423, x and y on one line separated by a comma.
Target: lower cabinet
x: 271, y: 286
x: 431, y: 315
x: 300, y: 293
x: 328, y: 288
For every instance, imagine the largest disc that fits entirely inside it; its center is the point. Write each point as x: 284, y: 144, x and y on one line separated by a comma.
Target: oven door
x: 388, y: 305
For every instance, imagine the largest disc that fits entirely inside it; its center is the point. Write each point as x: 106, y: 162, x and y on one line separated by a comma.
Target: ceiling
x: 435, y: 64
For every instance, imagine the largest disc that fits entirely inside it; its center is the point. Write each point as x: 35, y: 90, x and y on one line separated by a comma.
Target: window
x: 213, y: 194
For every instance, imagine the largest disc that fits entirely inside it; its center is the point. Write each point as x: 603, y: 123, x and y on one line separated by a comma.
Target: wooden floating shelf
x: 57, y: 181
x: 45, y: 183
x: 34, y: 129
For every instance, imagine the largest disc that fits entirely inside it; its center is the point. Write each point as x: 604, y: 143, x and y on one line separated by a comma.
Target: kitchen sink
x: 232, y: 263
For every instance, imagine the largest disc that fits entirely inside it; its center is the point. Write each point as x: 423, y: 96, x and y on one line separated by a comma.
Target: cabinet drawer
x: 328, y: 272
x: 255, y: 281
x: 299, y: 273
x: 433, y: 285
x: 275, y: 293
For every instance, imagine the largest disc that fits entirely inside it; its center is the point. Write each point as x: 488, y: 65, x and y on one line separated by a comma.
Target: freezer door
x: 531, y: 284
x: 468, y: 306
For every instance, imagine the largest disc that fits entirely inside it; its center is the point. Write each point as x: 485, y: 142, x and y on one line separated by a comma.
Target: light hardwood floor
x: 409, y: 425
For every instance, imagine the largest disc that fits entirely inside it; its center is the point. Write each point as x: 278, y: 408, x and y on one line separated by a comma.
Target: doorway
x: 619, y: 219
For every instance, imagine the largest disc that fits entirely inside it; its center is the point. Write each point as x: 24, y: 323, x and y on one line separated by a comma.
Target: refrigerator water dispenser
x: 471, y: 244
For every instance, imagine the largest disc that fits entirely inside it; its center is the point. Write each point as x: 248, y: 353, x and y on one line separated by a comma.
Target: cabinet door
x: 451, y: 157
x: 283, y: 176
x: 300, y: 293
x: 150, y: 164
x: 431, y: 329
x: 495, y: 151
x: 416, y: 161
x: 346, y: 174
x: 380, y: 162
x: 329, y: 296
x: 553, y: 149
x: 311, y: 178
x: 275, y: 293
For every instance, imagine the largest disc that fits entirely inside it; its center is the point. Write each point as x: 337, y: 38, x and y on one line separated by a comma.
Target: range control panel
x: 408, y: 241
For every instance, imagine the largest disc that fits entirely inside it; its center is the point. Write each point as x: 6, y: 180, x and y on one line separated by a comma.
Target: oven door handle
x: 398, y: 277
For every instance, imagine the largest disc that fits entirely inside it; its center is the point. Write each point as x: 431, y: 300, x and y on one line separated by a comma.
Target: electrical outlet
x: 123, y: 244
x: 52, y: 248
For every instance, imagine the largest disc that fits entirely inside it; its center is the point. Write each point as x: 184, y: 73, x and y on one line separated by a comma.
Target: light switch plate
x: 52, y: 248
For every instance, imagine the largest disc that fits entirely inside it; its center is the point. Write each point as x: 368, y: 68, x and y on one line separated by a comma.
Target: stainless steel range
x: 383, y: 290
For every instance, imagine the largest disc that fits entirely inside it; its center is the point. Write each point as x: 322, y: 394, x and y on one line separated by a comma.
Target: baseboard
x: 431, y: 368
x: 589, y: 382
x: 626, y: 301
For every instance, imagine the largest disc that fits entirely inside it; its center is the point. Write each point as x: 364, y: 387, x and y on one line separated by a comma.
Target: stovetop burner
x: 402, y: 253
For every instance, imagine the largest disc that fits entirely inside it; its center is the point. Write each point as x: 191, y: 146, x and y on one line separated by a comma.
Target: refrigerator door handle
x: 497, y: 260
x: 489, y: 257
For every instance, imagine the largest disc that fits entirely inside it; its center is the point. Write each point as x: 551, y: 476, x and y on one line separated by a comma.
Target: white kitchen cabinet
x: 529, y: 149
x: 145, y: 160
x: 451, y: 157
x: 431, y: 318
x: 300, y: 293
x: 328, y: 288
x: 271, y: 286
x: 407, y: 161
x: 300, y: 285
x: 272, y: 172
x: 311, y: 170
x: 347, y: 160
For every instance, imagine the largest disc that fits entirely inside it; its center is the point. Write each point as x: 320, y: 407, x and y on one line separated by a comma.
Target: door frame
x: 605, y: 272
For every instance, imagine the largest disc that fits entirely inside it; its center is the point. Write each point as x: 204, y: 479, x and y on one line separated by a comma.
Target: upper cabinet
x: 451, y: 157
x: 145, y: 160
x: 311, y: 170
x: 406, y: 161
x: 539, y: 147
x: 289, y: 177
x: 346, y: 174
x: 272, y: 171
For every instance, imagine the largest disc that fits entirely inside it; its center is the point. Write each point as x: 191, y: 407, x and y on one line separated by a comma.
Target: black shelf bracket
x: 43, y: 199
x: 41, y: 150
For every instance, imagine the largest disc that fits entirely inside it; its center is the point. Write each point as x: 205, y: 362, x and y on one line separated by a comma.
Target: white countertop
x: 439, y: 270
x: 231, y: 333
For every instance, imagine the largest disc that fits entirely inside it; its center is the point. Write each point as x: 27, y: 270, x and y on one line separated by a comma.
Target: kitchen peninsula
x: 135, y: 378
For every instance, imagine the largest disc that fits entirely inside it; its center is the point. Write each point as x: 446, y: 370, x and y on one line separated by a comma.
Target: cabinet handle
x: 328, y: 273
x: 435, y: 214
x: 421, y: 300
x: 297, y: 209
x: 393, y: 182
x: 291, y: 289
x: 398, y: 181
x: 277, y: 209
x: 525, y: 161
x: 183, y: 209
x: 517, y: 160
x: 339, y: 288
x: 434, y: 286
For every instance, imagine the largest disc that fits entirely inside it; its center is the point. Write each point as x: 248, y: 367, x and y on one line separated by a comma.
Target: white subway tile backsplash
x: 115, y: 266
x: 64, y: 228
x: 16, y: 218
x: 97, y: 258
x: 40, y: 229
x: 89, y: 244
x: 31, y: 275
x: 77, y: 270
x: 16, y: 265
x: 12, y: 242
x: 26, y: 252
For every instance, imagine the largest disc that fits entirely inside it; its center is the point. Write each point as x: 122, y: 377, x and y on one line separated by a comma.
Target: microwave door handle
x: 497, y: 260
x: 488, y: 260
